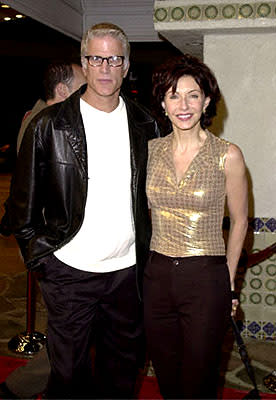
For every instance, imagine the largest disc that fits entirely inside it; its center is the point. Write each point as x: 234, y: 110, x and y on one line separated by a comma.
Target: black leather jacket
x: 49, y: 186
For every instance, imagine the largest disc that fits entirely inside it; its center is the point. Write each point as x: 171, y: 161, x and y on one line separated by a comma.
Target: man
x: 61, y: 79
x: 79, y: 212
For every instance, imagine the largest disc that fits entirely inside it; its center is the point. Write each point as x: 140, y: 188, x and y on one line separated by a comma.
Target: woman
x: 189, y: 278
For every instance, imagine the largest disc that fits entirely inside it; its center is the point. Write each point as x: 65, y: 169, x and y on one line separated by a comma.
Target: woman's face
x: 185, y: 106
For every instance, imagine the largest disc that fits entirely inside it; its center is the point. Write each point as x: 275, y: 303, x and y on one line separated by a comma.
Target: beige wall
x: 245, y: 66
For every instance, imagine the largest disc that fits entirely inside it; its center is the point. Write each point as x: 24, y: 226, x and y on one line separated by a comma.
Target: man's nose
x: 105, y: 66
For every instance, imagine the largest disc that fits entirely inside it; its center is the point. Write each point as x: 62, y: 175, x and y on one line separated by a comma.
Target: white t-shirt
x: 106, y: 239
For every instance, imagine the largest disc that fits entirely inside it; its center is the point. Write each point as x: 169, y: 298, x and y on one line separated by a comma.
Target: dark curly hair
x: 166, y: 76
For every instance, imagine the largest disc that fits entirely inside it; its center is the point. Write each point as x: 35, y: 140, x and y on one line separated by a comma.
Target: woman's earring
x: 166, y: 114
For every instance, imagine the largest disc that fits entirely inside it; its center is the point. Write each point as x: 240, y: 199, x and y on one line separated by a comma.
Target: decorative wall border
x: 262, y: 330
x: 213, y: 12
x: 257, y: 225
x: 260, y: 225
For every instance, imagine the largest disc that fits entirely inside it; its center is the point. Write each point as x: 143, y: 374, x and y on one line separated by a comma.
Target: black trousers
x: 187, y: 307
x: 85, y: 308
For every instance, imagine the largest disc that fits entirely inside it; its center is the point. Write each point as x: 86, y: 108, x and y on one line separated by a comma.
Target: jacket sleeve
x: 25, y: 205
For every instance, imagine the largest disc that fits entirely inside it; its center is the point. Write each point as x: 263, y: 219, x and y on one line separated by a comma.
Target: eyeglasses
x: 112, y: 61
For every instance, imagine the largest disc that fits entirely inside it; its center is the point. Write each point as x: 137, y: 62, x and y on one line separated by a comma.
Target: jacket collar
x: 69, y: 119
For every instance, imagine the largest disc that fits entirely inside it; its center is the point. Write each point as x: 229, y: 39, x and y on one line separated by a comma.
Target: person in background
x: 61, y: 79
x: 79, y: 212
x: 189, y: 278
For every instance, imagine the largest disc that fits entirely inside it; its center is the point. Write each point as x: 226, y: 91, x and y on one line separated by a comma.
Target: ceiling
x: 9, y: 14
x: 73, y: 17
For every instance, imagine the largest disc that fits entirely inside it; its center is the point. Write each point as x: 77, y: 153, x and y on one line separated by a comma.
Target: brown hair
x: 166, y: 76
x: 57, y: 72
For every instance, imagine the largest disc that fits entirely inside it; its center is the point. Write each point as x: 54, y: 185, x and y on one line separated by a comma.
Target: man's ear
x: 62, y: 91
x: 84, y: 64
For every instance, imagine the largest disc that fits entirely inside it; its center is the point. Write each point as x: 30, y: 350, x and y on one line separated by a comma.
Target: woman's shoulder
x: 217, y: 140
x: 231, y: 151
x: 234, y: 153
x: 159, y: 142
x: 218, y: 144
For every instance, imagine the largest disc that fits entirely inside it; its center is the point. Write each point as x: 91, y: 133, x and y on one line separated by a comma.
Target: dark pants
x: 187, y: 307
x: 85, y: 308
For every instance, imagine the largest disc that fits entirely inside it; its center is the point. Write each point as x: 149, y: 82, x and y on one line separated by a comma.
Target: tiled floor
x: 13, y: 313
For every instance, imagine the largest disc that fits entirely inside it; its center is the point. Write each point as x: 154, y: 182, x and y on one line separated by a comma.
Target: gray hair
x: 105, y: 29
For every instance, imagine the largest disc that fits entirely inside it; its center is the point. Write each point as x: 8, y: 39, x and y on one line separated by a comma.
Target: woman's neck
x: 183, y: 140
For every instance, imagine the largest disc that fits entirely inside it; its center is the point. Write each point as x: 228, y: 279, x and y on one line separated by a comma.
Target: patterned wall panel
x: 213, y: 12
x: 258, y: 285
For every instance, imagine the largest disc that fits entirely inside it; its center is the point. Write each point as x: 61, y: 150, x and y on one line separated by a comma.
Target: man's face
x: 104, y: 80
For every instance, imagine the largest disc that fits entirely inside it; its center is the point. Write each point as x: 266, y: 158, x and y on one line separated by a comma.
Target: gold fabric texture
x: 187, y: 216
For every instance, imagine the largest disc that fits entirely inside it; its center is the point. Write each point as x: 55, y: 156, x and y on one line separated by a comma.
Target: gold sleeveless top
x: 187, y: 216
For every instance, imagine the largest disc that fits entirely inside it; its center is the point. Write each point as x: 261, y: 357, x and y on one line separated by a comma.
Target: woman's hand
x: 235, y: 304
